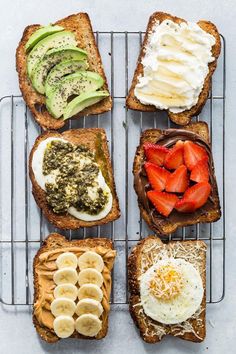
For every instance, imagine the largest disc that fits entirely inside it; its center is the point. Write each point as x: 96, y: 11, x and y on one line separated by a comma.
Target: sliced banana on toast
x: 88, y: 325
x: 91, y: 259
x: 76, y: 290
x: 89, y: 306
x: 63, y: 306
x: 90, y: 276
x: 66, y: 259
x: 64, y: 326
x: 67, y: 290
x: 65, y: 275
x: 91, y: 291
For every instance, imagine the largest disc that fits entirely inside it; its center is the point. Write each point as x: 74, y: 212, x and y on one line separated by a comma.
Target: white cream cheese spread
x: 175, y: 66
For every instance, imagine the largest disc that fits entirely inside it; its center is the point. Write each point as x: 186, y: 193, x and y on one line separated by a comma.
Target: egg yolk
x: 167, y: 283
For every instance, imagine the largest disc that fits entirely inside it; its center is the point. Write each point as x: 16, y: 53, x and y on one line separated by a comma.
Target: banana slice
x: 64, y: 326
x: 90, y: 276
x: 66, y: 259
x: 89, y: 325
x: 91, y: 291
x: 89, y: 306
x: 91, y: 260
x: 69, y: 291
x: 63, y: 306
x: 65, y: 275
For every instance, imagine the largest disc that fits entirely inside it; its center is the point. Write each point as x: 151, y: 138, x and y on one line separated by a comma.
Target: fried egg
x: 171, y: 291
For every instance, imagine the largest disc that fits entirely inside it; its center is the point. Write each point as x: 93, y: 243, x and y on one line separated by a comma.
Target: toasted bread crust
x: 149, y: 328
x: 151, y: 135
x: 79, y: 24
x: 93, y: 138
x: 182, y: 118
x: 54, y: 241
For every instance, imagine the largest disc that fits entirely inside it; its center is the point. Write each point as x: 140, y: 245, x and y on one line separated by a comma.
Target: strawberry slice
x: 185, y: 206
x: 193, y: 153
x: 155, y: 153
x: 198, y: 194
x: 163, y: 202
x: 178, y: 181
x: 200, y: 172
x: 179, y: 143
x: 175, y: 157
x: 157, y: 176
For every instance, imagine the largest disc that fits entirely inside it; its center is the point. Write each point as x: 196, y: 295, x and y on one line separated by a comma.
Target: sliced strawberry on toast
x: 200, y: 172
x: 185, y: 206
x: 178, y: 181
x: 193, y: 153
x: 155, y: 153
x: 163, y: 202
x: 175, y: 157
x: 198, y: 194
x: 157, y: 176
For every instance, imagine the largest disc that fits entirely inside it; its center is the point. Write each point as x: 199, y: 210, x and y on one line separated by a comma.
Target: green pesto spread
x: 75, y: 184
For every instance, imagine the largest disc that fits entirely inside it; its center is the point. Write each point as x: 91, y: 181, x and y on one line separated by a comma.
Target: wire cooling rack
x: 23, y: 227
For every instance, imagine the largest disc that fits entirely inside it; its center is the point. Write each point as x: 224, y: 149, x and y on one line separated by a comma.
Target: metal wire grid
x: 17, y: 287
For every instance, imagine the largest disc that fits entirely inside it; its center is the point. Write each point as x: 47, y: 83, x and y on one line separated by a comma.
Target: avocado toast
x: 58, y: 63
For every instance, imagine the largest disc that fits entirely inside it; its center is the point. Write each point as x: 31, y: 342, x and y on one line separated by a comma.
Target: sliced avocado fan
x: 74, y: 84
x: 84, y: 100
x: 41, y: 33
x: 51, y: 58
x: 62, y: 69
x: 56, y: 40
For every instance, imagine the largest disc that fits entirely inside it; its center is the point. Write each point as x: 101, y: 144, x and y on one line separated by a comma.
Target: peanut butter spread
x: 45, y: 269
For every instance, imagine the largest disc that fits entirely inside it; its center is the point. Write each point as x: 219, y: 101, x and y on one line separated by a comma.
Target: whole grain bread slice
x: 80, y: 25
x: 56, y: 241
x: 165, y: 226
x: 142, y: 257
x: 184, y: 117
x: 95, y: 139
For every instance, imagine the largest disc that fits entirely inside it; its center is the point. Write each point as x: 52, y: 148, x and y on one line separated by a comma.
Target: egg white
x: 181, y: 307
x: 41, y: 179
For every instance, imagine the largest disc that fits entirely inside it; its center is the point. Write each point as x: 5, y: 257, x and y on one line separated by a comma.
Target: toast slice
x: 95, y: 139
x: 79, y: 24
x: 142, y: 257
x: 55, y: 244
x: 182, y: 118
x: 210, y: 212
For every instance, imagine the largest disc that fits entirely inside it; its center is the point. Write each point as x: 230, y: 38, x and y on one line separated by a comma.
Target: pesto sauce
x: 77, y: 170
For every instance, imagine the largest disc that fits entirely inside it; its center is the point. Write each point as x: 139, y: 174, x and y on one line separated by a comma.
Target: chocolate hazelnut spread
x: 168, y: 138
x: 45, y: 269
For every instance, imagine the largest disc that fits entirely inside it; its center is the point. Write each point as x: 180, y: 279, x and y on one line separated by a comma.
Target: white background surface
x: 17, y: 334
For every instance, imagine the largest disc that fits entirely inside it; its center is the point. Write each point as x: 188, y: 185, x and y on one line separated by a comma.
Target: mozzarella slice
x: 37, y: 166
x: 103, y: 213
x: 37, y: 163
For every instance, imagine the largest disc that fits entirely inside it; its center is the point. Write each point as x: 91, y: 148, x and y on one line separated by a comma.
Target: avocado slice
x: 74, y: 84
x: 41, y: 33
x: 62, y: 69
x: 84, y: 100
x: 51, y: 58
x: 56, y: 40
